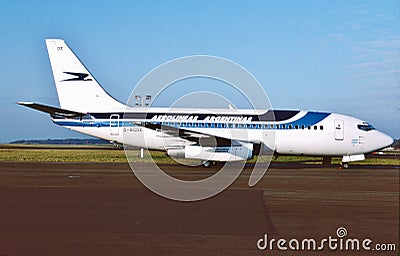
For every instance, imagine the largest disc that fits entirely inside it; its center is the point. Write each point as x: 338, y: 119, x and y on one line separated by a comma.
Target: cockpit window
x: 365, y: 127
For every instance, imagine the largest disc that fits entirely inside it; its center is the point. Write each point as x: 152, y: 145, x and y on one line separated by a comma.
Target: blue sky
x: 338, y: 56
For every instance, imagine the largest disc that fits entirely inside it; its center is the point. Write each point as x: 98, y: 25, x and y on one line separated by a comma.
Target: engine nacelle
x: 176, y: 152
x: 223, y: 154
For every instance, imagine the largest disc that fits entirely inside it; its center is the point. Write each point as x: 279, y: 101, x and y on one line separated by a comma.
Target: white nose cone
x: 384, y: 140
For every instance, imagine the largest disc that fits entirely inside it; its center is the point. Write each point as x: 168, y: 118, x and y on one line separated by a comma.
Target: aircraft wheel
x: 206, y: 164
x: 345, y: 165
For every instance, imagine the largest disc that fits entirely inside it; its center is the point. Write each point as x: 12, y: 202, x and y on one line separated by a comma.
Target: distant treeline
x: 396, y: 144
x: 69, y: 141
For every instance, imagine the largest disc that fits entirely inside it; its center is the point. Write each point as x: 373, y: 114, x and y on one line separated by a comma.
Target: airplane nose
x: 385, y: 140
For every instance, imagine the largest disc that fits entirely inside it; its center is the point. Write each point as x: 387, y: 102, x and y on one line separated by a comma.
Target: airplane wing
x: 52, y: 110
x: 202, y: 139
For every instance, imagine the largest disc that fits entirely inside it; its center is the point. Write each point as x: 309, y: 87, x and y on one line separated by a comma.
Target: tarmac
x: 102, y: 209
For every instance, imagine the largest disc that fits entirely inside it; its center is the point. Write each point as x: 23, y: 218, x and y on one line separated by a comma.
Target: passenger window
x: 321, y: 127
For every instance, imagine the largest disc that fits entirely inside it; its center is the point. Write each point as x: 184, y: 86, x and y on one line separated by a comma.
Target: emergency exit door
x: 339, y: 129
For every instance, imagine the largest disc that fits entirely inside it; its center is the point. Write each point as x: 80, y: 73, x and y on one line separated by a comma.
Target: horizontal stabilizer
x: 52, y: 110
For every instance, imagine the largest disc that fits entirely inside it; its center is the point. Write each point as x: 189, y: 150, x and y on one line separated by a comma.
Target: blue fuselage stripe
x: 310, y: 119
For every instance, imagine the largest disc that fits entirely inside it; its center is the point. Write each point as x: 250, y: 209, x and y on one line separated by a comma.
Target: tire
x: 206, y: 164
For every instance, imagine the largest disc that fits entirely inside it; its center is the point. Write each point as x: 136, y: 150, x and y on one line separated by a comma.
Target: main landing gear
x: 209, y: 163
x: 206, y: 164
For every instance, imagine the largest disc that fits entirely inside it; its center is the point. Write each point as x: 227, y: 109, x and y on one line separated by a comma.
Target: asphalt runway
x: 102, y: 209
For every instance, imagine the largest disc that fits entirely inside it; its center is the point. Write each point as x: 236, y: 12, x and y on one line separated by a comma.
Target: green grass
x: 62, y: 155
x: 107, y: 153
x: 71, y: 153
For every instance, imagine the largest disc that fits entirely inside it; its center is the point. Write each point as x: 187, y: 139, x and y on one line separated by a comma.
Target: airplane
x: 220, y: 135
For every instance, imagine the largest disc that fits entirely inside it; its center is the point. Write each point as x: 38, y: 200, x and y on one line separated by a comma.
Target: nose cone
x: 384, y: 140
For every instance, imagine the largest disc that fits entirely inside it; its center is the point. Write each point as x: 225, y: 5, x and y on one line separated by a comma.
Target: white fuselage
x: 304, y: 133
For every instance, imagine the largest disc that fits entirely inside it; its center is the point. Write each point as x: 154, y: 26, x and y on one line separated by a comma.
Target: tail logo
x: 77, y: 77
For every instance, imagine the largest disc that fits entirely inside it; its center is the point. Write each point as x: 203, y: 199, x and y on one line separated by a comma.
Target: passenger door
x: 339, y: 129
x: 114, y: 124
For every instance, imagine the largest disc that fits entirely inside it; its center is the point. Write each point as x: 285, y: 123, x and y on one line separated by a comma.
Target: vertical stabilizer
x: 77, y: 89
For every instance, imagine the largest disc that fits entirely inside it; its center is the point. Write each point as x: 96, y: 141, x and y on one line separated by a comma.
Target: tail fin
x: 76, y: 87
